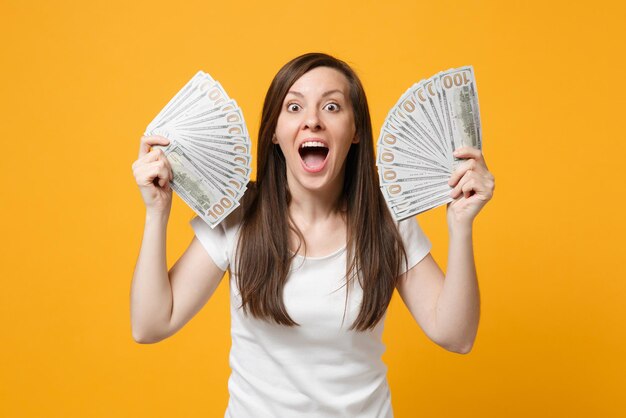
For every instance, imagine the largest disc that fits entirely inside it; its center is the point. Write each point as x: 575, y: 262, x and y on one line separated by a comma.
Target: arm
x: 151, y: 293
x: 161, y: 302
x: 448, y: 308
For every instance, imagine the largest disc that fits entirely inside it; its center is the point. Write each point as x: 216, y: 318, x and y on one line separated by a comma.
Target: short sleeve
x: 214, y: 241
x: 416, y: 243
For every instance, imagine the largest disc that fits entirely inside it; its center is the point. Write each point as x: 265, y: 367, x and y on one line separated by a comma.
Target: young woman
x: 313, y: 254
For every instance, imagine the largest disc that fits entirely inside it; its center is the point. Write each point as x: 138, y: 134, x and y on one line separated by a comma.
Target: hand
x: 473, y: 187
x: 153, y: 173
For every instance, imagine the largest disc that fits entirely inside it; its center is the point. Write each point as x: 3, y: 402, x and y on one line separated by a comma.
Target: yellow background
x: 82, y: 79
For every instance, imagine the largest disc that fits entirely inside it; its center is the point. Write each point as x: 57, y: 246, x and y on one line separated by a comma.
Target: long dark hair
x: 374, y: 247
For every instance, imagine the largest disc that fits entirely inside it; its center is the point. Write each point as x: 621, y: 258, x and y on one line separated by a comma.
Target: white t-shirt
x: 317, y: 369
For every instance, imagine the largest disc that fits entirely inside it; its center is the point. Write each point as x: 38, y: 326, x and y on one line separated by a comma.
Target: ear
x: 355, y: 140
x: 274, y: 139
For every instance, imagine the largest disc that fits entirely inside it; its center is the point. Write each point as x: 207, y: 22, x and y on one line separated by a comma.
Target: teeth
x: 312, y: 144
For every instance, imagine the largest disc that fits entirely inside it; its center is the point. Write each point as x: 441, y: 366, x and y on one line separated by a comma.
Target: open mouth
x: 313, y: 155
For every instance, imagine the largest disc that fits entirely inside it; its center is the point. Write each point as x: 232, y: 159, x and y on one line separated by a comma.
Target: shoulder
x: 228, y: 226
x: 233, y: 220
x: 416, y: 243
x: 221, y: 240
x: 410, y: 228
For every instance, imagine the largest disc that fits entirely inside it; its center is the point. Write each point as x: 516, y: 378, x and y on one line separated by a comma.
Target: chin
x: 318, y: 182
x: 313, y: 182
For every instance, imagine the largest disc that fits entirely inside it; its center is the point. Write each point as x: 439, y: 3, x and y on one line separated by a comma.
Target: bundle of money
x: 209, y: 148
x: 432, y: 119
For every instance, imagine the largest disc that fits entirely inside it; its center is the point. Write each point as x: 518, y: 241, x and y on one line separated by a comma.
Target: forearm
x: 151, y: 292
x: 458, y: 306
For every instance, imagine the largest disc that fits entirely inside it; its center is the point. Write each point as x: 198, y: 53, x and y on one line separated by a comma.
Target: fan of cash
x: 209, y: 148
x: 432, y: 119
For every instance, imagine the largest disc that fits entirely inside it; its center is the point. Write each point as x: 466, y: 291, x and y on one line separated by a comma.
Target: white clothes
x: 320, y: 368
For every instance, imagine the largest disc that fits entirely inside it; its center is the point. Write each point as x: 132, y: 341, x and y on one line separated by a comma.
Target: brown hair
x: 374, y: 247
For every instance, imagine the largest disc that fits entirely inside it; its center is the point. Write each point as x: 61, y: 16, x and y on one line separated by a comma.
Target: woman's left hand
x: 473, y: 187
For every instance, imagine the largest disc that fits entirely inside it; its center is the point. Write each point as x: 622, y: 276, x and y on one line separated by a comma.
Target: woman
x: 314, y: 256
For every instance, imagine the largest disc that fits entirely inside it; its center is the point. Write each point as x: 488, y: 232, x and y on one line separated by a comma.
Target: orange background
x: 81, y: 80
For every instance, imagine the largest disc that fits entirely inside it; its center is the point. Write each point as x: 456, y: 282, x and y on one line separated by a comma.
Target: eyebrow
x: 329, y: 92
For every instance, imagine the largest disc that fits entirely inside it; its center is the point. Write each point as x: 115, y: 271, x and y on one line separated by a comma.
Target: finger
x: 147, y: 142
x: 156, y: 170
x: 471, y: 152
x: 145, y: 175
x: 468, y: 152
x: 163, y: 173
x: 469, y: 188
x: 169, y: 168
x: 458, y: 189
x: 461, y: 170
x: 154, y: 155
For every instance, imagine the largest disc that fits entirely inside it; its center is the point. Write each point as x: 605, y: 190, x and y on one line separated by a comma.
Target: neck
x: 310, y: 206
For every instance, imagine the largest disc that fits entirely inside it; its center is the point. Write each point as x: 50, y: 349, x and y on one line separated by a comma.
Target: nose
x: 312, y: 120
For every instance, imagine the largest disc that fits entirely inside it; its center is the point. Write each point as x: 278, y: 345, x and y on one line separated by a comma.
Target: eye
x: 293, y: 107
x: 332, y: 107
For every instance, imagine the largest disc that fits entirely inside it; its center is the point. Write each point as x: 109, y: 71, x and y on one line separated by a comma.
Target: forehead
x: 320, y: 80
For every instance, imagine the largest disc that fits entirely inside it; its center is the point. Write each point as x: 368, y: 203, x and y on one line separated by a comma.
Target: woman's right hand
x: 153, y: 173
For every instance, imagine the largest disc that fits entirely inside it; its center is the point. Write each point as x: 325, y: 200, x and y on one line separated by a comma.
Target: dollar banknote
x: 209, y: 149
x: 414, y: 149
